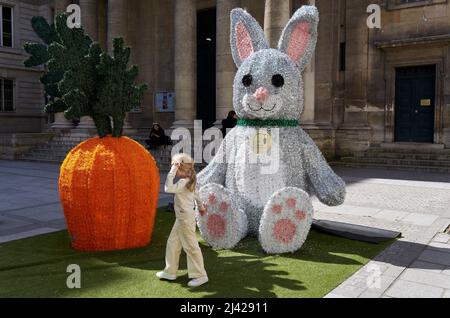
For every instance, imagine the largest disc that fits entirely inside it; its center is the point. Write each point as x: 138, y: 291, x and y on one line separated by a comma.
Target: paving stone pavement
x: 418, y: 264
x: 416, y: 204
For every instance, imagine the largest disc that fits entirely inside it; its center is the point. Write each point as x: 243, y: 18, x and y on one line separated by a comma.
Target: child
x: 183, y: 234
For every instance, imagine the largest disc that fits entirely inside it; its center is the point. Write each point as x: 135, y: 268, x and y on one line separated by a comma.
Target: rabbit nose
x: 261, y: 94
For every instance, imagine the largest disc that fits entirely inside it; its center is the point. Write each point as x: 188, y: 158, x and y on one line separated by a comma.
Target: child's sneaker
x: 198, y: 281
x: 164, y: 275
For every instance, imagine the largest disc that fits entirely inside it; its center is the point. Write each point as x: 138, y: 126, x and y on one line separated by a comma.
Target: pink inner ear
x: 243, y: 42
x: 298, y: 42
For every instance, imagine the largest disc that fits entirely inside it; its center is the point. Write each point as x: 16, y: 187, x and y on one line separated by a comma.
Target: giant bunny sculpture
x: 241, y: 197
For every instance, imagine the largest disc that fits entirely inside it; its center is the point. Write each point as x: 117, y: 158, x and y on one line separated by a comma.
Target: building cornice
x: 426, y: 40
x: 20, y: 68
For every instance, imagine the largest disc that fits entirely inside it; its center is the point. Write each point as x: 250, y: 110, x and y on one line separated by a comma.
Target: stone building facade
x: 21, y: 99
x: 365, y: 87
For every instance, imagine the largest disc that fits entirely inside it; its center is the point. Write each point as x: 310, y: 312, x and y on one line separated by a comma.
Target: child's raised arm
x: 170, y: 187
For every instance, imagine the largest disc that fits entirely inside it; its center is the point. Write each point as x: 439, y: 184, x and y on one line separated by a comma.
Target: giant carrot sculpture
x: 109, y: 184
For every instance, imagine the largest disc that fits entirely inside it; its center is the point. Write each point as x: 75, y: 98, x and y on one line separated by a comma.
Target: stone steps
x: 418, y: 149
x: 56, y: 149
x: 399, y: 162
x: 415, y: 156
x: 412, y: 159
x: 389, y: 167
x: 13, y: 146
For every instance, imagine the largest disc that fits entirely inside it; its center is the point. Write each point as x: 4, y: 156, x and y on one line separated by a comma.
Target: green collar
x: 268, y: 123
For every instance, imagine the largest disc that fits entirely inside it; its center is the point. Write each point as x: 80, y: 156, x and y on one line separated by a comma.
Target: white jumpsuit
x: 183, y: 234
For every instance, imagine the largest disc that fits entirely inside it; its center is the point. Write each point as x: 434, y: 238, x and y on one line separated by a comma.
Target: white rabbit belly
x: 260, y: 171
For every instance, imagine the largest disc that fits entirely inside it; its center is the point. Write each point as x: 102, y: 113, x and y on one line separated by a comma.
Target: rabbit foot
x: 224, y: 224
x: 286, y: 221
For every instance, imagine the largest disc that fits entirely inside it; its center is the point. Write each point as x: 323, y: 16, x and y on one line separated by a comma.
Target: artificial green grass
x: 36, y: 267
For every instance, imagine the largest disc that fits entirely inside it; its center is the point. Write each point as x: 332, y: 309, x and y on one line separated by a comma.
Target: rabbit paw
x: 224, y: 224
x: 286, y: 221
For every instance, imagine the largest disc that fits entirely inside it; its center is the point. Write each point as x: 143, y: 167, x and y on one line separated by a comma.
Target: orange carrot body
x: 109, y: 192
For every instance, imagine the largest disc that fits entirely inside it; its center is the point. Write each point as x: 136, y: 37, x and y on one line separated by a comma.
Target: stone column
x: 86, y: 126
x: 60, y: 122
x: 117, y: 21
x: 256, y: 8
x: 185, y: 63
x: 356, y: 66
x: 277, y: 14
x: 225, y: 68
x: 89, y: 17
x: 309, y: 79
x: 102, y: 23
x: 118, y: 27
x: 89, y: 23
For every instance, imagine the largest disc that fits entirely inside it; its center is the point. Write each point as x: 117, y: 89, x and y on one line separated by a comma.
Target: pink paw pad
x: 300, y: 215
x: 277, y: 208
x: 212, y: 198
x: 223, y: 207
x: 291, y: 202
x: 216, y: 226
x: 284, y: 231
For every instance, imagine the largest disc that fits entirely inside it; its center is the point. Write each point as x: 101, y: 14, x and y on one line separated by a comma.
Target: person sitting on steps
x: 157, y: 137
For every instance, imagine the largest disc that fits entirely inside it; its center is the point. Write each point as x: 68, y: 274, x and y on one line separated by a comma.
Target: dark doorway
x: 206, y: 67
x: 415, y: 90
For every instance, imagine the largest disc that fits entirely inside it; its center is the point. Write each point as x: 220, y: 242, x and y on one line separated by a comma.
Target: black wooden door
x: 415, y: 91
x: 206, y: 67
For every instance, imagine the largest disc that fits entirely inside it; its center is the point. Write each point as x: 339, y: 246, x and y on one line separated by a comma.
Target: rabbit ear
x: 299, y: 37
x: 247, y: 37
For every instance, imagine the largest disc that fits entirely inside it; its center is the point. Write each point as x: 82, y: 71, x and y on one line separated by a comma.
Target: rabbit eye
x: 247, y: 80
x: 278, y: 80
